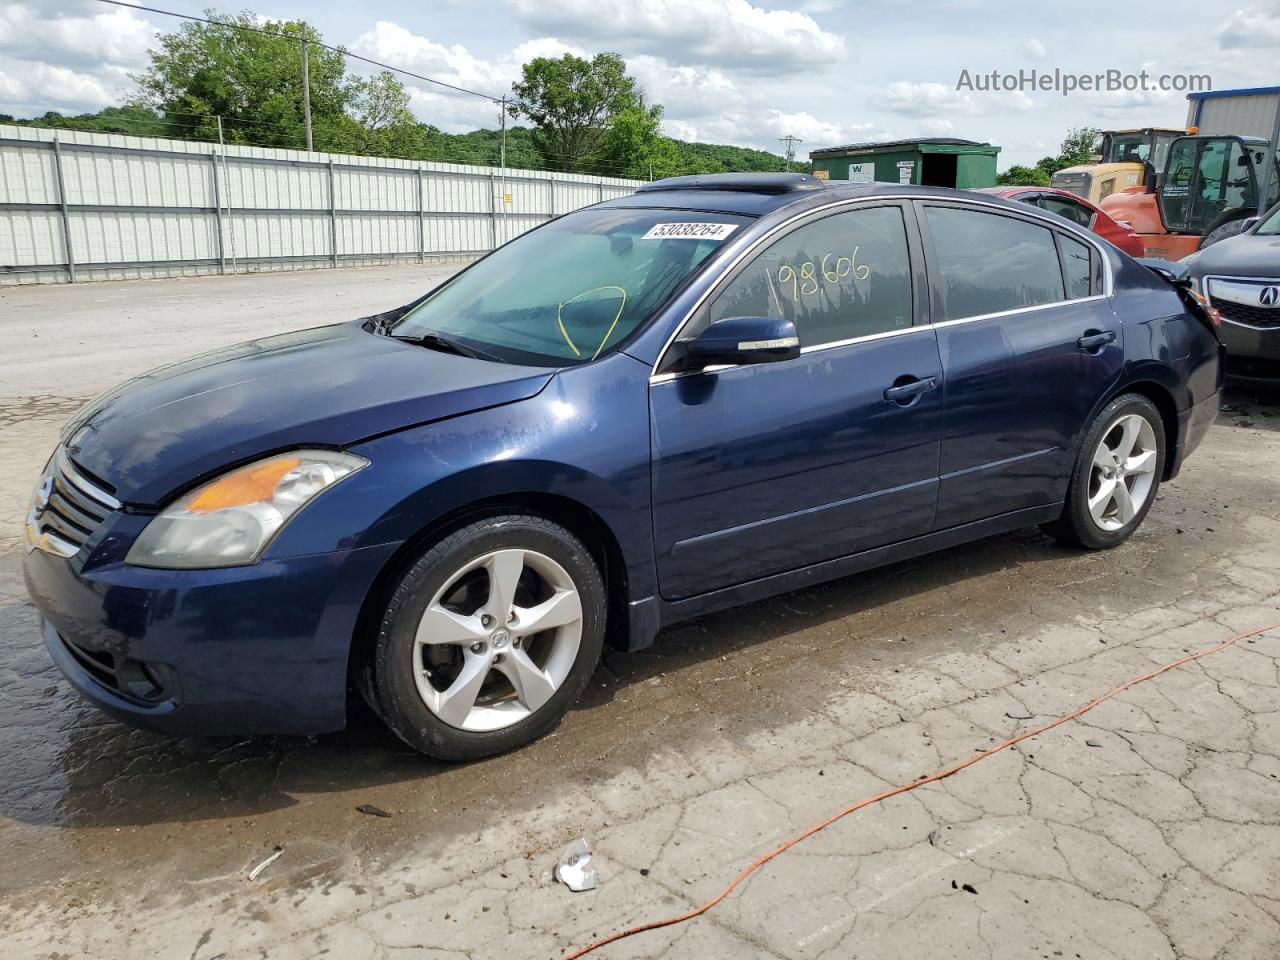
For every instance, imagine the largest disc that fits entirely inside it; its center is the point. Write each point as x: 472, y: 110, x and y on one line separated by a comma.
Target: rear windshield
x: 572, y: 290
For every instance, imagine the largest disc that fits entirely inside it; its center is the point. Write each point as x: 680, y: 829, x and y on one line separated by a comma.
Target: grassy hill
x: 476, y: 147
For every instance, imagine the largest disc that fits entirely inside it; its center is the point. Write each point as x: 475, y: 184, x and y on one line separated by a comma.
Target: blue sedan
x: 712, y: 391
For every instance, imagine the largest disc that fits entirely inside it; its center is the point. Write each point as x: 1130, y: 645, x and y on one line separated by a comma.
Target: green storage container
x: 934, y: 162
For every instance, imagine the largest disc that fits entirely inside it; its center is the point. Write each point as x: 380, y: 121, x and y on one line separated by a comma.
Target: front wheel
x: 1116, y: 476
x: 1229, y: 224
x: 489, y: 638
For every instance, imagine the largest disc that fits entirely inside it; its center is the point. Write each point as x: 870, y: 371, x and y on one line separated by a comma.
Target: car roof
x: 757, y: 194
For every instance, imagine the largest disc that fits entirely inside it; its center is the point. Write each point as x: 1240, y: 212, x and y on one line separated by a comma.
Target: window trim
x: 912, y: 200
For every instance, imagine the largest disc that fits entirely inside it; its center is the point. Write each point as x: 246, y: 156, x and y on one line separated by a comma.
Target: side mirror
x: 740, y: 340
x: 1249, y: 223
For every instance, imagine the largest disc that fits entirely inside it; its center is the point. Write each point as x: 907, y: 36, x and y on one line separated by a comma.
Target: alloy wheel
x: 497, y: 640
x: 1123, y: 472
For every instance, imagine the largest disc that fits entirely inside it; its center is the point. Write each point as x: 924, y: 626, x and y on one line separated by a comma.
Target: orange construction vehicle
x: 1207, y: 190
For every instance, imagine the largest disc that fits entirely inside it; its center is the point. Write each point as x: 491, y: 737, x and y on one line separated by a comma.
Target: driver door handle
x: 908, y: 391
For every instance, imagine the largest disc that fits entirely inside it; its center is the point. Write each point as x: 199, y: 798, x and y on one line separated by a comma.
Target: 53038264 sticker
x: 690, y: 231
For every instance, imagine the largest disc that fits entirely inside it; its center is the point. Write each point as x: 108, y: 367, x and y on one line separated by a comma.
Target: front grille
x: 73, y: 507
x: 1238, y: 299
x: 1243, y: 313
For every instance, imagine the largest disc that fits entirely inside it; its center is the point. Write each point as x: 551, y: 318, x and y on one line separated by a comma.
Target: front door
x: 766, y: 468
x: 1029, y: 345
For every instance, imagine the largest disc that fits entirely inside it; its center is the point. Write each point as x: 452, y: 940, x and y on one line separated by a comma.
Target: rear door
x: 1029, y: 343
x: 770, y: 467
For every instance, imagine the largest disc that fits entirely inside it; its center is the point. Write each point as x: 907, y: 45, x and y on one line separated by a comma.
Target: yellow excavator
x: 1130, y: 158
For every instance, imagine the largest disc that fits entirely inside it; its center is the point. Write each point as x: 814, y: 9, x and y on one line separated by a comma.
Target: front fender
x: 584, y: 438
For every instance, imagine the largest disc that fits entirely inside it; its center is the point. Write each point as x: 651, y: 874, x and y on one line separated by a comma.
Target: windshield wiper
x: 434, y: 341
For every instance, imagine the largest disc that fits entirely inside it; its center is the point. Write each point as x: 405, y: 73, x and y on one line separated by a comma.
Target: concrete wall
x: 89, y: 206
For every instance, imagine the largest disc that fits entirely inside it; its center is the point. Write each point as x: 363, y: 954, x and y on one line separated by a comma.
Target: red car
x: 1077, y: 210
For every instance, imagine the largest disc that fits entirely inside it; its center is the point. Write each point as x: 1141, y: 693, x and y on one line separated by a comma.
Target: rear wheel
x: 1116, y: 476
x: 489, y: 638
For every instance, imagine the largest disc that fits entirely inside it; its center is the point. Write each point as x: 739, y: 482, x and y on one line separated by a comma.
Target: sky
x: 744, y: 72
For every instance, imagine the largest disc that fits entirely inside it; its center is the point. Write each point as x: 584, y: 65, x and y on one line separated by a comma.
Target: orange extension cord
x: 895, y: 791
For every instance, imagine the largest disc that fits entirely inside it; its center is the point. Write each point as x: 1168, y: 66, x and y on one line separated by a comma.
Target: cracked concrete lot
x: 1149, y: 828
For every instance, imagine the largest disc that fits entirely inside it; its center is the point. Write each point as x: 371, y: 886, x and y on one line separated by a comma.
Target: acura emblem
x: 1269, y: 296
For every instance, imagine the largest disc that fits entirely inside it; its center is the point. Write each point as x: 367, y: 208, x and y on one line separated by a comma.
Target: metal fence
x: 91, y: 206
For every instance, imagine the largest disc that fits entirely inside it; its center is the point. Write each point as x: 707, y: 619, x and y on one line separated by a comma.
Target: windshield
x: 1271, y: 225
x: 1130, y: 148
x: 570, y: 290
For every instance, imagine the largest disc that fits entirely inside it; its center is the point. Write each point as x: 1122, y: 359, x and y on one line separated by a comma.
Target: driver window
x: 844, y: 276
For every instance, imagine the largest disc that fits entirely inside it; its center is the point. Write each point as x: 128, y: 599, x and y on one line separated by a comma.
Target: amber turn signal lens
x: 252, y: 484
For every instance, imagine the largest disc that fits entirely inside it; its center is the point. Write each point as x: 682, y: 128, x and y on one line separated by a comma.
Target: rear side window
x: 989, y: 263
x: 1077, y: 267
x: 1077, y: 213
x: 844, y: 276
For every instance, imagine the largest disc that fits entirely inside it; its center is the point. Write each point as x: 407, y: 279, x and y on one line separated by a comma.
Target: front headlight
x: 230, y: 521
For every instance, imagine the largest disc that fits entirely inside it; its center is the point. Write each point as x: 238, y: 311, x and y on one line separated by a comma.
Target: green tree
x: 572, y: 103
x: 1020, y: 176
x: 380, y: 122
x: 250, y: 79
x: 1078, y: 146
x: 633, y: 146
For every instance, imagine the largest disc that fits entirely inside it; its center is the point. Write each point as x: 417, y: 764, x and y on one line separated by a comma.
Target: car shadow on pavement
x: 1252, y: 406
x: 74, y: 767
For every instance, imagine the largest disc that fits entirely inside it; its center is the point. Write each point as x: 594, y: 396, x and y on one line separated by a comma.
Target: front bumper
x: 1249, y: 342
x: 241, y: 650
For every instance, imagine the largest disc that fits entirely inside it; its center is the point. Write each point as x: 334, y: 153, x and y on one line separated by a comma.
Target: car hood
x: 1249, y: 255
x: 327, y: 386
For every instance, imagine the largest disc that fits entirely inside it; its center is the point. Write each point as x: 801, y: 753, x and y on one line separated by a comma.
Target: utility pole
x: 789, y: 148
x: 226, y: 185
x: 502, y: 153
x: 306, y: 85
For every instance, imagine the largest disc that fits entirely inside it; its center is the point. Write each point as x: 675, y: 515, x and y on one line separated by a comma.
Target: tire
x: 1095, y: 515
x: 1229, y: 224
x: 452, y: 681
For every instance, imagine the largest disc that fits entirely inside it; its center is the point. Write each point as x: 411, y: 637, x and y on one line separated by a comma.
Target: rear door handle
x: 904, y: 392
x: 1092, y: 341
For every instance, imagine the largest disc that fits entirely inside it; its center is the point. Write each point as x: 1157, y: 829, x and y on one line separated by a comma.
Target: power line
x: 303, y: 39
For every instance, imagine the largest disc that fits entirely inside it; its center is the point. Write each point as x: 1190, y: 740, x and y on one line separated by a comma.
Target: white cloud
x: 724, y: 33
x: 700, y: 102
x: 925, y: 99
x: 1250, y: 28
x: 455, y: 64
x: 33, y: 84
x: 90, y: 34
x: 74, y: 58
x: 1034, y: 49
